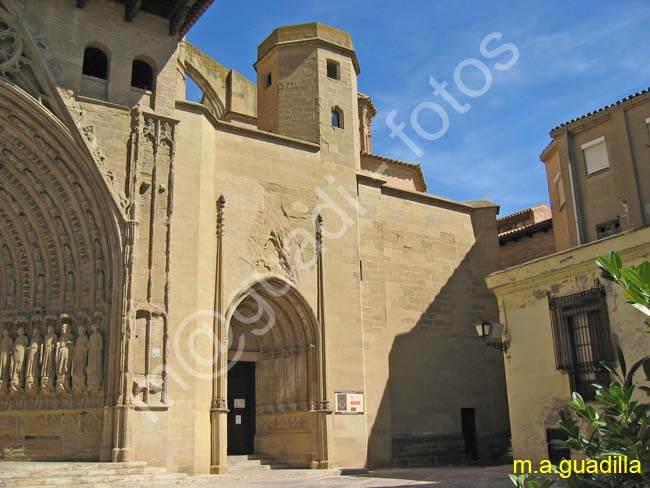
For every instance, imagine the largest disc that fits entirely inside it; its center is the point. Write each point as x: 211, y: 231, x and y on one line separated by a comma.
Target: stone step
x: 253, y: 462
x: 54, y: 465
x: 86, y: 475
x: 63, y: 472
x: 125, y: 484
x: 249, y: 457
x: 281, y: 475
x: 241, y: 468
x: 74, y: 479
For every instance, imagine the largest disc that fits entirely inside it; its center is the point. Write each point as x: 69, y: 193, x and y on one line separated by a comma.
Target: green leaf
x: 608, y: 265
x: 644, y: 273
x: 645, y: 362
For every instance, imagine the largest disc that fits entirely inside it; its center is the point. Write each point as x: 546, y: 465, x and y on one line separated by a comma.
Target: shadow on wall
x: 440, y: 367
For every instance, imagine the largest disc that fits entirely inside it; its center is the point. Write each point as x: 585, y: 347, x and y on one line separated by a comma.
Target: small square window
x: 608, y: 228
x: 595, y: 153
x: 333, y: 69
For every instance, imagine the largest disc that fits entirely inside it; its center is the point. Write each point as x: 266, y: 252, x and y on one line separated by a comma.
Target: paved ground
x: 457, y: 477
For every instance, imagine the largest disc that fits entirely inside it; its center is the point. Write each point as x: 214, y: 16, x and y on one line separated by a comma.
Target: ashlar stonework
x: 183, y: 281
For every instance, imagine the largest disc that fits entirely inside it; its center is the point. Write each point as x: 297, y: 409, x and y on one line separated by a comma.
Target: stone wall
x: 51, y: 436
x: 423, y: 262
x: 68, y: 30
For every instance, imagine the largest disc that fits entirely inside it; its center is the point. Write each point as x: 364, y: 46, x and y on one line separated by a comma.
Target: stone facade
x: 247, y: 227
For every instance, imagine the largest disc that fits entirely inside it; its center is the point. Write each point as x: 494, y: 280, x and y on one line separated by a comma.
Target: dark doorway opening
x: 241, y: 406
x: 555, y: 453
x: 468, y: 421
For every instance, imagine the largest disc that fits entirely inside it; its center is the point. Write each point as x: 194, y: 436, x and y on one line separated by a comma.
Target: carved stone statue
x: 19, y: 353
x: 64, y: 356
x: 95, y: 370
x: 48, y: 359
x: 6, y: 346
x: 79, y: 360
x: 34, y: 360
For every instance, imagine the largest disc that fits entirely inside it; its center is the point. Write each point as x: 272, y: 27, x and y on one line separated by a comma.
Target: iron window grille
x: 582, y: 338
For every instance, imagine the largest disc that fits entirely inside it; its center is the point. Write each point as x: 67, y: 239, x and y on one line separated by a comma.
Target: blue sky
x: 574, y: 57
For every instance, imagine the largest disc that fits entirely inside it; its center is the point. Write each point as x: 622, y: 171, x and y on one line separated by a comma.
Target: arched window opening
x: 95, y: 63
x: 142, y: 75
x: 193, y: 92
x: 337, y: 118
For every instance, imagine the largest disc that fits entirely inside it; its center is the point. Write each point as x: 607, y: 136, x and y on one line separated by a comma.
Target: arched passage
x: 272, y: 329
x: 60, y: 253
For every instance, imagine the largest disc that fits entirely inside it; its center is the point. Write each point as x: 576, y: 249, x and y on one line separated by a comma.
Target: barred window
x: 582, y: 338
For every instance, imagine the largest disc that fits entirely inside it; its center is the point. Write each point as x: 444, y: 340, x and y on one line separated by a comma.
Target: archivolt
x: 275, y: 307
x: 59, y: 230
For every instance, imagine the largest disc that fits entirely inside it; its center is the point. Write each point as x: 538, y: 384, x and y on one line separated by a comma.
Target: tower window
x: 333, y: 69
x: 269, y: 80
x: 337, y: 118
x: 609, y: 228
x: 142, y: 75
x: 95, y: 63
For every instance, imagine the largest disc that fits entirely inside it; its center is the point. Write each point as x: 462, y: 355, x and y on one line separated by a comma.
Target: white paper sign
x: 237, y: 419
x: 240, y: 403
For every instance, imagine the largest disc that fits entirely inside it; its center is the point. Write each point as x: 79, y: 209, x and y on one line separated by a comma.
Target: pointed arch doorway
x: 274, y: 379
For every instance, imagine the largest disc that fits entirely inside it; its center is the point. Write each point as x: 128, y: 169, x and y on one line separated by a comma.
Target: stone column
x: 219, y: 406
x: 324, y: 412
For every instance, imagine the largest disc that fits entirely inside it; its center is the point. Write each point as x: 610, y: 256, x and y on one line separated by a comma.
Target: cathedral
x: 182, y: 282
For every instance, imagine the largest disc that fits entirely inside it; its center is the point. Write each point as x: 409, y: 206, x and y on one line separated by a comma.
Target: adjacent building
x: 241, y: 275
x: 598, y: 172
x: 561, y: 318
x: 525, y: 235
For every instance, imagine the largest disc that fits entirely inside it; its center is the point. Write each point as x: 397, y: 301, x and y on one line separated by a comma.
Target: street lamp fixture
x: 492, y: 335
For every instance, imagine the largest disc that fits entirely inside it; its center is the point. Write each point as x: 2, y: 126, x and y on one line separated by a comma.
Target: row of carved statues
x: 55, y: 362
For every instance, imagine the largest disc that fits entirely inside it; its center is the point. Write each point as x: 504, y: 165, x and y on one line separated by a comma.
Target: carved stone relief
x: 283, y: 423
x: 36, y: 365
x: 276, y: 246
x: 14, y: 64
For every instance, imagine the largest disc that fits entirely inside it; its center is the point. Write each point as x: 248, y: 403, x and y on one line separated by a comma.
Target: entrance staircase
x: 87, y: 475
x: 253, y: 463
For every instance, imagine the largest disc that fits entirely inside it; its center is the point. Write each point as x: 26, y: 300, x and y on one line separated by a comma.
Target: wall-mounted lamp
x: 492, y: 334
